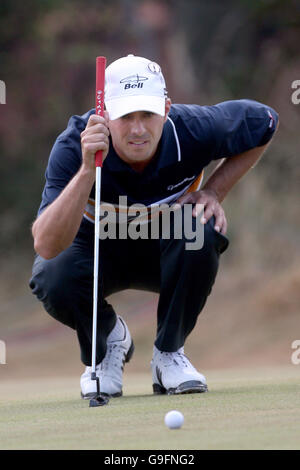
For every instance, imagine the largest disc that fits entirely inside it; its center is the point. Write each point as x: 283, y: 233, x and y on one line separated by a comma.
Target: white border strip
x: 176, y: 138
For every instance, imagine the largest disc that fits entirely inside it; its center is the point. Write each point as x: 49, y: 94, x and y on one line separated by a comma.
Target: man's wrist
x: 88, y: 172
x: 214, y: 192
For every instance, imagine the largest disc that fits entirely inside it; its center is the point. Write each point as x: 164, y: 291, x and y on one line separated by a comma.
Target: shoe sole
x: 191, y: 386
x: 89, y: 396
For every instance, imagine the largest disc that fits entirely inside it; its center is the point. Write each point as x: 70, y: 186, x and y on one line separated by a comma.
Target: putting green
x: 255, y: 409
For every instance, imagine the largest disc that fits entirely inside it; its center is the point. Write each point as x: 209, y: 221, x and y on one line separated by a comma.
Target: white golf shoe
x: 172, y: 373
x: 110, y: 370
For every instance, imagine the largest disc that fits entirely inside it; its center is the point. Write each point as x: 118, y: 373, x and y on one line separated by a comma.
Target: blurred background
x: 210, y: 51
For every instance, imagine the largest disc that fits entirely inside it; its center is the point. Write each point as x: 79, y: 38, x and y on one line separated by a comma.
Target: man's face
x: 135, y: 136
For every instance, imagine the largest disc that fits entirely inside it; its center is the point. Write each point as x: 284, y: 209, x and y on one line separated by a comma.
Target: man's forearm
x: 230, y: 170
x: 55, y: 229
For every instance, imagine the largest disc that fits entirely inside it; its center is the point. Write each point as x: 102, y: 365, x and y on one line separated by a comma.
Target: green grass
x: 241, y: 411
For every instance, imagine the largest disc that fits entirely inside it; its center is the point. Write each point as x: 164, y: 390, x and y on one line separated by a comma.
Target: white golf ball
x: 174, y: 419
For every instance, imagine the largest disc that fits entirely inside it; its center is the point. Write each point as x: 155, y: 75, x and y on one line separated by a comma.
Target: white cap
x: 134, y: 84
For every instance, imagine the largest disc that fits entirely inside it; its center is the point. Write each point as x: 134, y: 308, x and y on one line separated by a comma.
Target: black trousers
x: 183, y: 278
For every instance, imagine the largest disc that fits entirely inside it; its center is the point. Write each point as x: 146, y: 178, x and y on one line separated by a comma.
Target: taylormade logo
x: 173, y: 186
x: 2, y: 92
x: 2, y: 352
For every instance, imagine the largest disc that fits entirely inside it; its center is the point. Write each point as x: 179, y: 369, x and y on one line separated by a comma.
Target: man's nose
x: 137, y: 127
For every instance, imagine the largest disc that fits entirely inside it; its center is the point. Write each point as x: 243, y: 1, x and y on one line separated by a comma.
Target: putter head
x: 98, y: 400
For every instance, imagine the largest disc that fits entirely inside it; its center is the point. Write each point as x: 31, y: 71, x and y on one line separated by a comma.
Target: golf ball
x: 174, y: 419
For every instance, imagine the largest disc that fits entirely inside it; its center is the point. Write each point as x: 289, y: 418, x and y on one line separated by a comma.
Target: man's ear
x: 167, y: 108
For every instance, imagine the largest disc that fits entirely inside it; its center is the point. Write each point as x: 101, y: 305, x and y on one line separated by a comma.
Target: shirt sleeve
x: 65, y: 159
x: 226, y: 129
x: 241, y: 125
x: 63, y: 164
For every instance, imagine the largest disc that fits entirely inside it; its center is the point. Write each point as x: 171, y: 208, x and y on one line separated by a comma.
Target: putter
x: 98, y: 399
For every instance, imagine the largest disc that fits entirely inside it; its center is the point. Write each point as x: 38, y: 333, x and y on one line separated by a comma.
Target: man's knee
x: 214, y: 239
x: 56, y: 283
x: 201, y: 239
x: 203, y: 262
x: 50, y: 277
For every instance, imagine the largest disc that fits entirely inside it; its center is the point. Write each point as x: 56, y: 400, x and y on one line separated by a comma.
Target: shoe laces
x: 178, y: 358
x: 115, y: 355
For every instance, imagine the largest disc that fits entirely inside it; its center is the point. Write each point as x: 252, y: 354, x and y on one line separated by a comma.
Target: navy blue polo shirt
x: 192, y: 137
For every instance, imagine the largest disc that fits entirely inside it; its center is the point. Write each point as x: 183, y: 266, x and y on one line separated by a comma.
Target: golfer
x: 154, y: 152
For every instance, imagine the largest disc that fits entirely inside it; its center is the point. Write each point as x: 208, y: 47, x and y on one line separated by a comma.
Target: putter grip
x: 100, y: 80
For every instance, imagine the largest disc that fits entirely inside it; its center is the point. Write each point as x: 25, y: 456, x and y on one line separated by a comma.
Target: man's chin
x: 139, y: 154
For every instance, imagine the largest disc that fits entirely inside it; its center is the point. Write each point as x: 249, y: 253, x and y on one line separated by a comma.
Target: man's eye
x: 148, y: 114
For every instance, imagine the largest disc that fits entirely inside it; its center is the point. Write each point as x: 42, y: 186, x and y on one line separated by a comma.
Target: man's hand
x: 94, y: 138
x: 209, y: 199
